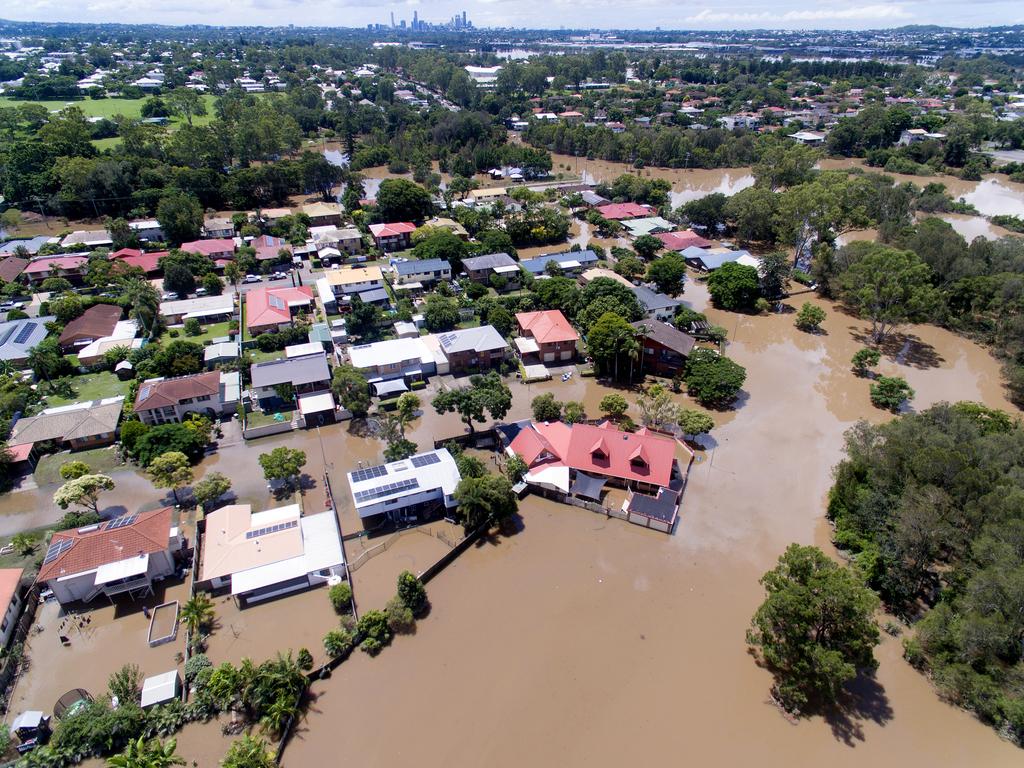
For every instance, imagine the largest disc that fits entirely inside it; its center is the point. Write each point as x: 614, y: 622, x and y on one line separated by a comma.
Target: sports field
x: 108, y: 107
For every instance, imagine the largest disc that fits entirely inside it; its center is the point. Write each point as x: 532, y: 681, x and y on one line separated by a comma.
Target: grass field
x: 108, y: 107
x: 210, y: 332
x: 92, y: 386
x: 103, y: 460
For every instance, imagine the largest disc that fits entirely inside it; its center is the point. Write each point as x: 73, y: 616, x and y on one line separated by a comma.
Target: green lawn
x: 258, y: 356
x: 109, y: 143
x: 92, y: 386
x: 257, y: 419
x: 108, y: 107
x: 210, y: 332
x: 103, y: 460
x: 26, y: 561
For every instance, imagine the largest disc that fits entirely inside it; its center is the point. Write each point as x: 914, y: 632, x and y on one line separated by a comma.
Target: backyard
x: 103, y: 460
x: 91, y: 386
x: 210, y: 332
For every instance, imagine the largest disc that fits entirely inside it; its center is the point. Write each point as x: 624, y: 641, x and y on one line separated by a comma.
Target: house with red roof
x: 268, y: 247
x: 217, y: 248
x: 68, y: 267
x: 270, y: 309
x: 681, y: 240
x: 132, y: 257
x: 620, y: 211
x: 548, y: 335
x: 395, y: 236
x: 123, y: 555
x: 578, y: 460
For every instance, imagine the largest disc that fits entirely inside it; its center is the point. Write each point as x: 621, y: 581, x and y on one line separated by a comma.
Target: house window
x: 3, y: 625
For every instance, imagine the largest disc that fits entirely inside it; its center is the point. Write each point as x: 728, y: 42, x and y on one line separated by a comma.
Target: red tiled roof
x: 267, y: 246
x: 616, y: 211
x: 270, y: 306
x: 170, y: 392
x: 148, y: 534
x: 147, y: 262
x: 392, y: 229
x: 62, y: 263
x: 677, y: 241
x: 210, y: 247
x: 600, y: 450
x: 96, y: 322
x: 547, y: 327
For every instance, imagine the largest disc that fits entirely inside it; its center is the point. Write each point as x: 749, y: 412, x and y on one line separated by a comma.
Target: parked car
x: 251, y: 279
x: 279, y: 276
x: 168, y: 296
x: 201, y: 291
x: 7, y: 306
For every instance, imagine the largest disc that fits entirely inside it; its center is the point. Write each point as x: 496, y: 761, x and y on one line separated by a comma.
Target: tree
x: 187, y: 103
x: 154, y: 441
x: 441, y: 314
x: 694, y: 423
x: 23, y: 544
x: 888, y: 287
x: 734, y: 286
x: 399, y: 449
x: 668, y: 273
x: 69, y: 470
x: 486, y: 500
x: 211, y: 488
x: 144, y: 303
x: 46, y: 361
x: 546, y: 408
x: 614, y: 406
x: 515, y: 468
x: 707, y: 212
x: 775, y: 271
x: 351, y: 388
x: 411, y: 592
x: 864, y: 359
x: 147, y: 754
x: 574, y: 412
x: 816, y: 629
x: 402, y: 200
x: 890, y: 392
x: 282, y: 463
x: 400, y: 617
x: 373, y: 626
x: 212, y: 284
x: 197, y: 613
x: 656, y: 406
x: 610, y: 338
x: 713, y: 379
x: 338, y: 642
x: 810, y: 317
x: 646, y: 246
x: 178, y: 278
x: 126, y: 684
x: 484, y: 395
x: 340, y: 596
x: 407, y: 407
x: 171, y: 470
x: 180, y: 216
x: 83, y: 491
x: 249, y: 752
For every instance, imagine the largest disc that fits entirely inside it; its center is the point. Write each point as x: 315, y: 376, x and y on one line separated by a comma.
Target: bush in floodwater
x: 400, y: 618
x: 338, y: 642
x: 340, y: 596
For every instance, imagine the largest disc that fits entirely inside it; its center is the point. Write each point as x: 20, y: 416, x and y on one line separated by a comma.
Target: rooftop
x: 547, y: 327
x: 308, y: 369
x: 160, y: 393
x: 419, y: 473
x: 69, y: 422
x: 479, y: 339
x: 272, y: 306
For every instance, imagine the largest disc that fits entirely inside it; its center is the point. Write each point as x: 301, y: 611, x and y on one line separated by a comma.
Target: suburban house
x: 270, y: 309
x: 679, y: 241
x: 473, y: 349
x: 79, y: 425
x: 353, y: 280
x: 133, y: 257
x: 97, y: 321
x: 809, y: 138
x: 221, y: 352
x: 19, y: 337
x: 31, y: 245
x: 218, y: 227
x: 621, y: 211
x: 206, y: 309
x: 410, y: 358
x: 126, y: 554
x: 10, y: 603
x: 480, y: 269
x: 308, y: 374
x: 87, y: 238
x: 570, y: 262
x: 914, y: 135
x: 68, y: 267
x: 268, y: 247
x: 167, y: 401
x: 147, y: 229
x: 548, y: 335
x: 396, y: 236
x: 11, y: 267
x: 346, y: 240
x: 411, y: 490
x: 123, y: 335
x: 655, y: 304
x: 271, y: 216
x: 580, y: 459
x: 257, y: 556
x: 710, y: 259
x: 218, y: 248
x: 421, y: 273
x: 323, y: 214
x: 450, y: 224
x: 664, y: 348
x: 648, y: 225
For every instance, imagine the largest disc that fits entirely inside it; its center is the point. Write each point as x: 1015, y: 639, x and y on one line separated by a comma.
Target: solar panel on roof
x: 286, y: 526
x: 387, y: 490
x: 25, y: 333
x: 370, y: 472
x: 56, y: 549
x: 425, y: 460
x: 121, y: 522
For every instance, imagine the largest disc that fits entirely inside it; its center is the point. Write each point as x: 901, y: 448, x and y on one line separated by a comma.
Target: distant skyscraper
x: 392, y: 19
x: 463, y: 18
x: 415, y: 20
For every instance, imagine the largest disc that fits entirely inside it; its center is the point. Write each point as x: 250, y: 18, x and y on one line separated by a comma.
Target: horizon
x: 560, y: 16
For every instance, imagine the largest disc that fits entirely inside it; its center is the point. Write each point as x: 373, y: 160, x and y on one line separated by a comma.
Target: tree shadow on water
x: 903, y: 348
x: 863, y: 701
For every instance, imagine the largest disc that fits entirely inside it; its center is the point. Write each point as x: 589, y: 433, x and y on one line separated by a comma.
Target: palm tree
x: 143, y: 754
x: 197, y: 613
x: 7, y: 368
x: 144, y: 301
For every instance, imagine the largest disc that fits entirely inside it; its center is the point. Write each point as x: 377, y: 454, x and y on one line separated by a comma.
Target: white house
x: 410, y: 490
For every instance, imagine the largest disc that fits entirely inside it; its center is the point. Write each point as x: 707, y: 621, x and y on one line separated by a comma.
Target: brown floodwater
x: 603, y: 643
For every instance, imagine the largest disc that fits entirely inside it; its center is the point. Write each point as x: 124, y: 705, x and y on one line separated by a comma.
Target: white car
x: 279, y: 276
x: 251, y: 279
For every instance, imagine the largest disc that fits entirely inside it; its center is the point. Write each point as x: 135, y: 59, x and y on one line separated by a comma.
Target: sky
x: 547, y: 14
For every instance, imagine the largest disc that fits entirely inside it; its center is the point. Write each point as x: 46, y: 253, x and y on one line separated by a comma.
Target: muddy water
x: 605, y: 644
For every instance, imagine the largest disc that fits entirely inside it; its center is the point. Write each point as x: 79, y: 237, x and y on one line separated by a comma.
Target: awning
x: 160, y: 688
x: 390, y: 387
x: 536, y: 372
x: 318, y: 403
x: 526, y: 345
x: 507, y: 269
x: 122, y: 569
x: 408, y: 287
x: 571, y: 264
x: 588, y: 486
x: 554, y: 477
x: 31, y: 719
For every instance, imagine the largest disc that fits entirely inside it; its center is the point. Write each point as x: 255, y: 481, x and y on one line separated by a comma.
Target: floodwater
x: 606, y: 644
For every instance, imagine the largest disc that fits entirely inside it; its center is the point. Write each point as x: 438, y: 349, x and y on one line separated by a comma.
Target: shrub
x: 338, y: 642
x: 340, y: 596
x: 400, y: 618
x: 411, y: 591
x: 371, y: 646
x: 192, y: 327
x: 304, y: 659
x: 865, y: 359
x: 890, y: 392
x: 196, y: 664
x: 373, y: 625
x: 810, y: 317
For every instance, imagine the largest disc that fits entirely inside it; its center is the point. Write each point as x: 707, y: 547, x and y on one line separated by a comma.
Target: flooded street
x: 604, y: 644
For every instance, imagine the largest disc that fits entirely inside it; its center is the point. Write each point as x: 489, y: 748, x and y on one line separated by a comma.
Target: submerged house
x: 411, y: 490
